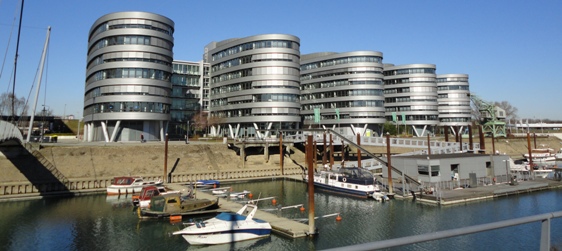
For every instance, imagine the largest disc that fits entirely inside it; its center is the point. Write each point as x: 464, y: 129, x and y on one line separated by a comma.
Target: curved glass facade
x: 454, y: 100
x: 343, y: 90
x: 411, y: 97
x: 129, y: 67
x: 254, y: 85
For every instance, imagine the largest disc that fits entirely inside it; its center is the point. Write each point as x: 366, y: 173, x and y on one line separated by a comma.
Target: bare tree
x: 510, y: 111
x: 200, y: 121
x: 20, y: 107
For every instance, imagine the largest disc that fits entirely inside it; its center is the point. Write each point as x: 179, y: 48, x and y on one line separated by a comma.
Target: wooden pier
x: 279, y: 225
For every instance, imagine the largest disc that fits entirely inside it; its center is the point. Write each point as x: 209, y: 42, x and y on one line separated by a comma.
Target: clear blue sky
x: 512, y: 50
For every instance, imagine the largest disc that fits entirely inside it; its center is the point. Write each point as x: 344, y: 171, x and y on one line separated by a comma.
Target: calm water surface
x: 99, y: 222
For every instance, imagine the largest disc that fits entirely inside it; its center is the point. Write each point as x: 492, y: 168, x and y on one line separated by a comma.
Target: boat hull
x: 226, y: 237
x: 193, y: 209
x: 343, y: 190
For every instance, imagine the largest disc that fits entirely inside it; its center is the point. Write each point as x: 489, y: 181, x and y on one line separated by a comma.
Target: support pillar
x: 359, y: 151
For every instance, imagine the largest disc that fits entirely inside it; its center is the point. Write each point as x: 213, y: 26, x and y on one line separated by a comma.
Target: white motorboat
x: 227, y: 228
x: 379, y: 195
x: 541, y: 155
x: 348, y: 180
x: 129, y: 185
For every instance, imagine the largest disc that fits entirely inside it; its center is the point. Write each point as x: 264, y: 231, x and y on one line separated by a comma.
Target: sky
x: 511, y: 50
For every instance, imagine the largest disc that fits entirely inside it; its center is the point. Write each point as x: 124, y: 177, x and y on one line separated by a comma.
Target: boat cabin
x: 353, y: 175
x: 126, y: 180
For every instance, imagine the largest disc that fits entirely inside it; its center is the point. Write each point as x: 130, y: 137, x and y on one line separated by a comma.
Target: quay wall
x: 92, y: 167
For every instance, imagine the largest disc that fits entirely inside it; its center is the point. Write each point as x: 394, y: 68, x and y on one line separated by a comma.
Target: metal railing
x: 544, y: 238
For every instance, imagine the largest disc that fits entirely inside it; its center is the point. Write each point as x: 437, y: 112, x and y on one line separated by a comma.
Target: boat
x: 558, y: 154
x: 227, y: 227
x: 379, y: 195
x: 129, y: 185
x: 540, y: 155
x: 146, y: 194
x: 347, y: 180
x: 226, y: 192
x: 207, y: 183
x: 174, y: 204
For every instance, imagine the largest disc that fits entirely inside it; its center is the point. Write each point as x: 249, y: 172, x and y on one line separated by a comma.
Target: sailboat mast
x: 16, y: 64
x: 41, y: 64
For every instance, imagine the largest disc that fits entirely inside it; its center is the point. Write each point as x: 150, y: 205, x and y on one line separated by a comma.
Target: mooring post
x: 389, y: 164
x: 358, y: 150
x: 281, y: 155
x: 165, y: 160
x: 324, y: 152
x: 310, y: 149
x: 331, y: 152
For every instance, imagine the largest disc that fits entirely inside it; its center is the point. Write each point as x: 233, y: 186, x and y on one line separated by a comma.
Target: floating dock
x: 449, y: 197
x: 279, y: 225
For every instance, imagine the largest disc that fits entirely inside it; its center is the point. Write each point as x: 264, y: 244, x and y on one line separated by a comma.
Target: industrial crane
x: 492, y: 117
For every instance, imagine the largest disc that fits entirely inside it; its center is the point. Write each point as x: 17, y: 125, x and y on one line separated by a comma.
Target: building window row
x: 344, y: 93
x: 454, y: 103
x: 255, y: 112
x: 411, y: 108
x: 129, y: 73
x: 131, y: 40
x: 186, y: 80
x: 339, y: 61
x: 344, y: 116
x: 344, y: 104
x: 186, y: 69
x: 255, y: 72
x: 453, y: 95
x: 343, y: 82
x: 255, y: 45
x: 141, y: 24
x: 152, y: 107
x: 106, y: 58
x: 417, y: 118
x: 453, y: 87
x: 411, y: 99
x: 459, y: 120
x: 416, y: 89
x: 274, y: 97
x: 340, y: 72
x: 408, y: 80
x: 444, y: 80
x: 409, y: 71
x: 127, y: 90
x: 255, y: 58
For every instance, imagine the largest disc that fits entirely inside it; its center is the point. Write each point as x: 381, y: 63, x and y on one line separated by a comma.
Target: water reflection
x: 99, y: 222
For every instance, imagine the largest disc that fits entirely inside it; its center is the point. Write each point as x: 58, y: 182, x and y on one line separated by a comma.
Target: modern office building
x: 129, y: 66
x: 343, y: 91
x: 454, y: 100
x: 410, y: 101
x: 254, y: 87
x: 190, y: 98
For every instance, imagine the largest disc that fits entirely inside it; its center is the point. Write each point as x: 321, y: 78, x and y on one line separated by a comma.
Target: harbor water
x: 100, y: 222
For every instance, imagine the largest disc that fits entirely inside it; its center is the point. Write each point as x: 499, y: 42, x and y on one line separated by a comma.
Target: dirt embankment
x: 148, y: 159
x: 145, y: 159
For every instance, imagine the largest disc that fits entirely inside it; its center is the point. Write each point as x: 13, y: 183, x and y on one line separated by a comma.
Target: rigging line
x: 8, y: 46
x: 16, y: 60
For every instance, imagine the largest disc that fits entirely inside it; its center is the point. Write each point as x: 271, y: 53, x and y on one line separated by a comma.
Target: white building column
x: 115, y: 130
x: 104, y: 129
